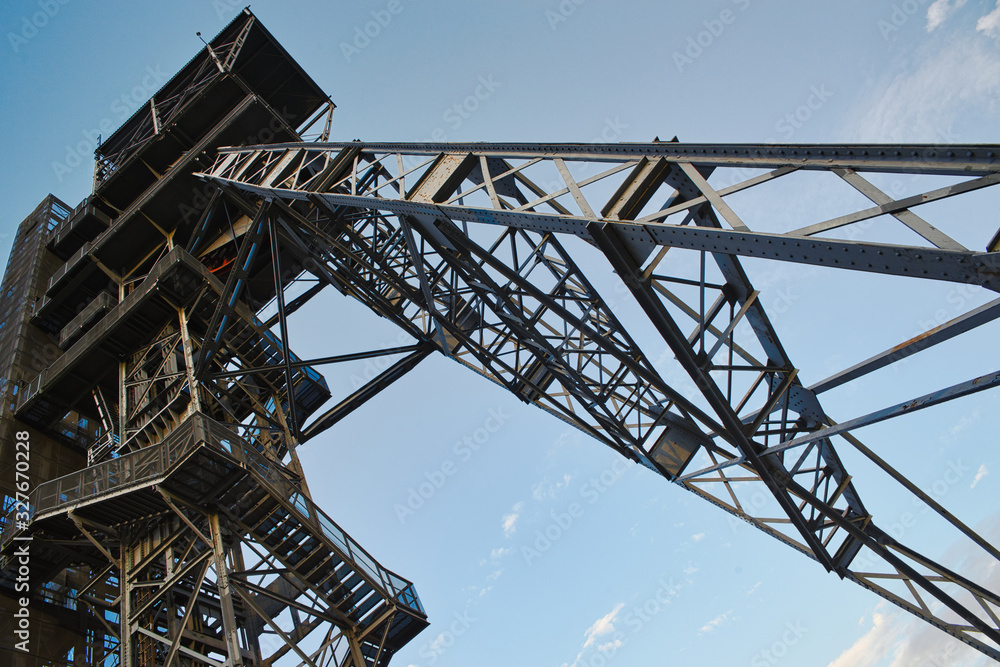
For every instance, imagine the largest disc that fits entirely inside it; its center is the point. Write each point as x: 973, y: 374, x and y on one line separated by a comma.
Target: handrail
x: 155, y: 461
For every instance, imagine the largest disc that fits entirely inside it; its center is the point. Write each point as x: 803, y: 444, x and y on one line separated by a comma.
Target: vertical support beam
x: 125, y: 644
x: 230, y: 629
x: 122, y: 404
x: 252, y: 632
x: 357, y: 658
x: 279, y: 295
x: 173, y: 628
x: 289, y: 417
x: 195, y: 404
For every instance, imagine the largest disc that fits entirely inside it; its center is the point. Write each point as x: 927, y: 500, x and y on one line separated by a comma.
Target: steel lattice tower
x: 472, y: 250
x: 156, y: 503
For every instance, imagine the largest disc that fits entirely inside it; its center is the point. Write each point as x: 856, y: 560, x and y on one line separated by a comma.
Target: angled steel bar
x: 922, y: 495
x: 906, y: 407
x: 204, y: 222
x: 335, y: 359
x: 906, y: 216
x: 279, y: 291
x: 365, y: 393
x: 189, y: 608
x: 289, y: 641
x: 955, y: 327
x: 231, y: 292
x: 879, y: 543
x: 295, y: 304
x: 898, y: 206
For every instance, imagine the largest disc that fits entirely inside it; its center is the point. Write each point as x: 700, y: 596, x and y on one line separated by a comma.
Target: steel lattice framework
x: 162, y: 517
x: 465, y: 247
x: 146, y: 355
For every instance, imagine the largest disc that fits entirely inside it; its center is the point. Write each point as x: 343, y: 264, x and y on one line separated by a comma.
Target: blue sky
x: 528, y: 542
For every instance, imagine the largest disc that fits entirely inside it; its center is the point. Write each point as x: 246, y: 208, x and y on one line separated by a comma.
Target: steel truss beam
x: 457, y: 243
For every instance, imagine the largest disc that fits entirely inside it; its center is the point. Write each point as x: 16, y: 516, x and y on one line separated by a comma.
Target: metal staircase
x: 205, y: 469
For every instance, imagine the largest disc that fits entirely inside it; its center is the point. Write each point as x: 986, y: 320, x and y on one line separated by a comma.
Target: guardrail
x: 118, y: 475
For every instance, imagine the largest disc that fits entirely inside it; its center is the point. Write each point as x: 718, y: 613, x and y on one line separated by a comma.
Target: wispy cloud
x: 610, y: 646
x: 509, y: 521
x: 500, y: 552
x: 602, y: 627
x: 989, y: 24
x: 940, y: 10
x: 496, y: 555
x: 897, y: 639
x: 715, y: 622
x: 880, y: 640
x: 982, y: 472
x: 698, y: 537
x: 546, y: 489
x: 923, y: 98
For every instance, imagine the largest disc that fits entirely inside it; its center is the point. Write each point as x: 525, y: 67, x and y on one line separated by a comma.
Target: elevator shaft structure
x: 159, y: 514
x: 467, y: 248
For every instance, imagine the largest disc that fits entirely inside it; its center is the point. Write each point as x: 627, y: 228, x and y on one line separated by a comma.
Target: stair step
x: 366, y: 605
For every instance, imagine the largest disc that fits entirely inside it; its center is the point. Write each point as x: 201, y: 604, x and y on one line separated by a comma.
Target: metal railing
x: 103, y: 479
x: 281, y: 485
x: 118, y: 475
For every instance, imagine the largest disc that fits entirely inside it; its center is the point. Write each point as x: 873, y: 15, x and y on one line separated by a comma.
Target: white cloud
x: 438, y: 643
x: 610, y: 646
x: 753, y: 589
x: 715, y: 622
x: 500, y: 552
x: 698, y: 537
x: 990, y: 23
x: 900, y: 640
x: 940, y: 10
x: 881, y: 639
x: 922, y: 100
x: 494, y: 575
x: 509, y: 521
x: 546, y: 489
x: 602, y: 626
x: 982, y: 472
